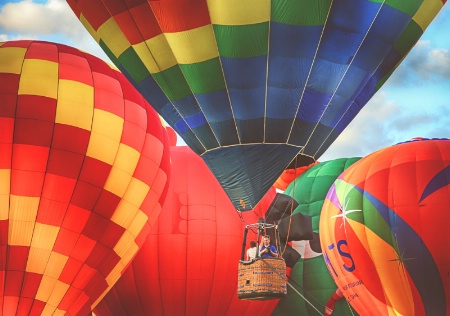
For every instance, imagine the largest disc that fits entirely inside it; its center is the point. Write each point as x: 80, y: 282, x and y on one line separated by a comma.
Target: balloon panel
x: 84, y: 164
x: 384, y: 230
x: 251, y: 85
x: 188, y: 264
x: 310, y: 275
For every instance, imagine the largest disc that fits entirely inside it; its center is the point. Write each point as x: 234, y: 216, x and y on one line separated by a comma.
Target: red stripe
x: 181, y: 15
x: 76, y: 68
x: 42, y: 51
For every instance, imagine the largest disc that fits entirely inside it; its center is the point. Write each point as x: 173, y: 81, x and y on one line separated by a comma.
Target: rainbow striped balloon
x: 252, y: 84
x: 384, y: 230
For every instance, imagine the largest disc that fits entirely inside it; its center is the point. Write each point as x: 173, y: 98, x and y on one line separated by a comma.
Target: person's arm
x: 273, y: 251
x: 263, y: 250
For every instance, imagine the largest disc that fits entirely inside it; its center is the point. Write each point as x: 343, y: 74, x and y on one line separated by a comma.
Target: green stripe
x: 242, y: 41
x: 403, y: 45
x: 369, y: 216
x: 173, y: 83
x: 133, y: 64
x: 302, y: 13
x: 408, y: 38
x: 109, y: 53
x: 204, y: 77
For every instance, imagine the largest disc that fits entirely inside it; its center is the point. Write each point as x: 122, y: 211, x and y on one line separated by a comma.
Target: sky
x: 414, y: 102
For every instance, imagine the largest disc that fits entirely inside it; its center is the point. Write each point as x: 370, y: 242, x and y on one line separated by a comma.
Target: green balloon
x: 310, y: 276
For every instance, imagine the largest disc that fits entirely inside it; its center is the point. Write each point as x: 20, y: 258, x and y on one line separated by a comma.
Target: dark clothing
x: 267, y: 254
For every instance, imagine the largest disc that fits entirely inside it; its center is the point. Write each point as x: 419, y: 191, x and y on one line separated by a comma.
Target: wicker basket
x: 262, y: 279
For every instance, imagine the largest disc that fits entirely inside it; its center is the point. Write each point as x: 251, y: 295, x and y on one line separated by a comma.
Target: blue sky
x: 414, y: 102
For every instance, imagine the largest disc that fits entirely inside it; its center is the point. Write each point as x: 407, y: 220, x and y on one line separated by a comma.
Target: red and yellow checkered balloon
x: 84, y: 166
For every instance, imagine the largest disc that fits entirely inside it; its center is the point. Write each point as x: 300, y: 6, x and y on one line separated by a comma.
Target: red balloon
x: 84, y: 165
x: 188, y: 265
x: 173, y: 138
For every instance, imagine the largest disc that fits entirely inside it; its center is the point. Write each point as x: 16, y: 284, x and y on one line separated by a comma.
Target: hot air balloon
x: 289, y: 175
x: 384, y: 230
x: 250, y: 85
x: 84, y: 166
x: 188, y: 264
x: 309, y: 276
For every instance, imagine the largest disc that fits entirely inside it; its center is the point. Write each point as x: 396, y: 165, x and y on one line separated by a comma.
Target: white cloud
x: 27, y: 17
x: 368, y: 132
x: 52, y: 21
x: 424, y: 63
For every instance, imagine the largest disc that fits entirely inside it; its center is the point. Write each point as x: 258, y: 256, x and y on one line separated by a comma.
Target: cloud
x: 368, y: 132
x: 29, y: 18
x: 52, y: 21
x: 424, y: 63
x: 383, y: 122
x: 430, y: 122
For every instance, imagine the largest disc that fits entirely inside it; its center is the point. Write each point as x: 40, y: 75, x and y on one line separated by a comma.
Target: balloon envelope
x: 310, y: 275
x: 251, y: 84
x: 84, y: 164
x: 384, y: 230
x: 189, y: 263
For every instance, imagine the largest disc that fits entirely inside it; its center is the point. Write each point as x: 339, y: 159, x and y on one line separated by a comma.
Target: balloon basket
x: 262, y: 279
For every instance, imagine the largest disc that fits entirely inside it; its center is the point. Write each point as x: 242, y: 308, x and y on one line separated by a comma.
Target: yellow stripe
x: 45, y: 288
x: 427, y: 12
x: 392, y: 273
x: 5, y: 180
x: 89, y: 28
x: 107, y: 124
x: 114, y: 275
x: 239, y: 12
x: 117, y: 182
x: 20, y: 233
x: 156, y: 54
x: 129, y: 205
x: 138, y: 223
x: 44, y: 236
x: 23, y: 208
x: 127, y: 159
x: 136, y: 192
x: 105, y: 137
x: 130, y: 254
x: 12, y: 59
x: 48, y: 310
x: 102, y: 148
x: 75, y: 104
x: 125, y: 242
x: 112, y: 35
x: 4, y: 207
x: 55, y: 265
x: 59, y: 312
x: 39, y: 77
x: 193, y: 46
x: 57, y: 294
x: 124, y: 213
x: 37, y: 260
